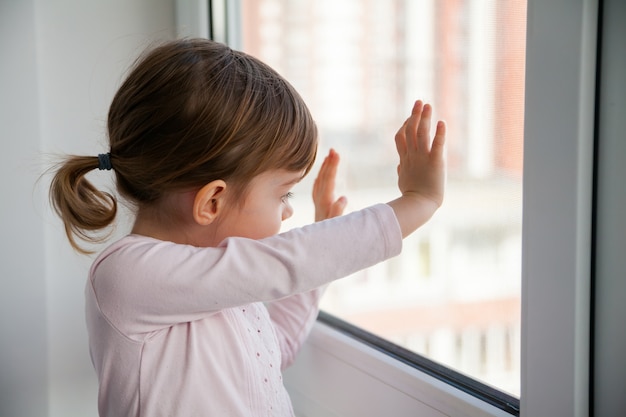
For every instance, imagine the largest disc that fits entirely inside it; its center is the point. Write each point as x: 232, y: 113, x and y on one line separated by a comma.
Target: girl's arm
x: 421, y: 175
x: 143, y: 284
x: 293, y: 317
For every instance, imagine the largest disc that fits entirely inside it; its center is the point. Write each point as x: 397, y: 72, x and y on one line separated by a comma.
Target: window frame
x: 492, y: 396
x: 609, y: 285
x: 559, y: 142
x: 338, y: 375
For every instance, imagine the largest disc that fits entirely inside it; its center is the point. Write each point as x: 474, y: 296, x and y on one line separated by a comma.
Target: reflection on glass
x: 454, y: 293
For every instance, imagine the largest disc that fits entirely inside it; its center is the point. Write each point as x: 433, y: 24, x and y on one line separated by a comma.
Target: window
x: 454, y: 294
x: 557, y: 247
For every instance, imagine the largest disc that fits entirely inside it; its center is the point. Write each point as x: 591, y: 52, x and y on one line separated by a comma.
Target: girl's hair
x: 190, y: 112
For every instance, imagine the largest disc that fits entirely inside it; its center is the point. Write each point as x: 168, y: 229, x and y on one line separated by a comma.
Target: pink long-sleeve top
x: 177, y: 330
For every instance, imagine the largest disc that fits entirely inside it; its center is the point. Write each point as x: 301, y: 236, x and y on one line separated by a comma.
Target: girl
x: 196, y: 311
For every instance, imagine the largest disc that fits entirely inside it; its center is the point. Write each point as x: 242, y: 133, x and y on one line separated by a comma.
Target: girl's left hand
x: 326, y: 206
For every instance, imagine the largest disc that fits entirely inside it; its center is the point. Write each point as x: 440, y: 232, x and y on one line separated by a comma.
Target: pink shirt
x: 177, y: 330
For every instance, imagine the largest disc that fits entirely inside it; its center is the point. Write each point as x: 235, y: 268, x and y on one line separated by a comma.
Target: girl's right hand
x: 421, y: 172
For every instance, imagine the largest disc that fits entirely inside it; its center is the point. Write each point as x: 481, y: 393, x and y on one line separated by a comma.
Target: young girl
x: 196, y: 311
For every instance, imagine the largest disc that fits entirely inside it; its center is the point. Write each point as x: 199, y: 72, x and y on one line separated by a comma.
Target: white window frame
x: 338, y: 376
x: 558, y: 193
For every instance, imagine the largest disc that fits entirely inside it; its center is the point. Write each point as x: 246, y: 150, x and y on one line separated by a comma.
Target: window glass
x: 454, y: 293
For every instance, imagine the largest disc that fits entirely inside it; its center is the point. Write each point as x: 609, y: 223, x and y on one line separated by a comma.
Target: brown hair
x: 191, y: 111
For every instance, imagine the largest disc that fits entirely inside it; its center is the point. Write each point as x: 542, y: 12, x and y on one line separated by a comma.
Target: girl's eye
x: 286, y: 197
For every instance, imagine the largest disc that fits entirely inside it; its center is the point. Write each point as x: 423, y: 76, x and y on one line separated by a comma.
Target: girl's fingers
x: 324, y: 185
x: 400, y: 139
x: 337, y: 208
x: 415, y: 132
x: 423, y: 129
x: 421, y: 159
x: 324, y: 189
x: 439, y: 140
x: 413, y: 123
x: 320, y: 181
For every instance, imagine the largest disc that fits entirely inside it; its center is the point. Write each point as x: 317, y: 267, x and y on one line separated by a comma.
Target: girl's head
x: 190, y: 112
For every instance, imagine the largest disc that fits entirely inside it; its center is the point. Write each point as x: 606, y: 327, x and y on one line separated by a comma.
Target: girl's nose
x: 287, y: 211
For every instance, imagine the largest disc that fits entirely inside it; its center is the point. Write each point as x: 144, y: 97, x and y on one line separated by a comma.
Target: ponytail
x: 82, y: 207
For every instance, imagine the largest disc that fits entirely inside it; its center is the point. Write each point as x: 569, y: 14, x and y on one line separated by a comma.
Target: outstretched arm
x: 421, y: 172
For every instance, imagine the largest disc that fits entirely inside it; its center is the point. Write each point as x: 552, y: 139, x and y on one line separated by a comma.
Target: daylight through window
x: 454, y: 293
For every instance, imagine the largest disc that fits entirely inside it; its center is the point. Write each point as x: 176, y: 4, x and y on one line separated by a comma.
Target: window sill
x: 336, y: 375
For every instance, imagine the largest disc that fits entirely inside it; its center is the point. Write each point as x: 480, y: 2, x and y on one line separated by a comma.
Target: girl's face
x: 265, y: 207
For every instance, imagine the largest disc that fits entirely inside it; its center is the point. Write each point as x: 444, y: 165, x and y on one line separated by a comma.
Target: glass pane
x: 454, y: 293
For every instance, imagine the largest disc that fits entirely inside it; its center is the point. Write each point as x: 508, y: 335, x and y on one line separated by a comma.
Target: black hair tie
x: 104, y: 162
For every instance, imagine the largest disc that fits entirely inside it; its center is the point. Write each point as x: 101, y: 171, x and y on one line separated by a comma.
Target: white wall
x: 60, y: 64
x: 23, y: 364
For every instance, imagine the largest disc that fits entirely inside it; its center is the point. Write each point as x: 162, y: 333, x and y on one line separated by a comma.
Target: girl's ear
x: 208, y: 202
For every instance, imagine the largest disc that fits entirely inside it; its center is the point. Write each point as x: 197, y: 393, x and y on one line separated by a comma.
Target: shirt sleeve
x: 143, y: 285
x: 293, y: 318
